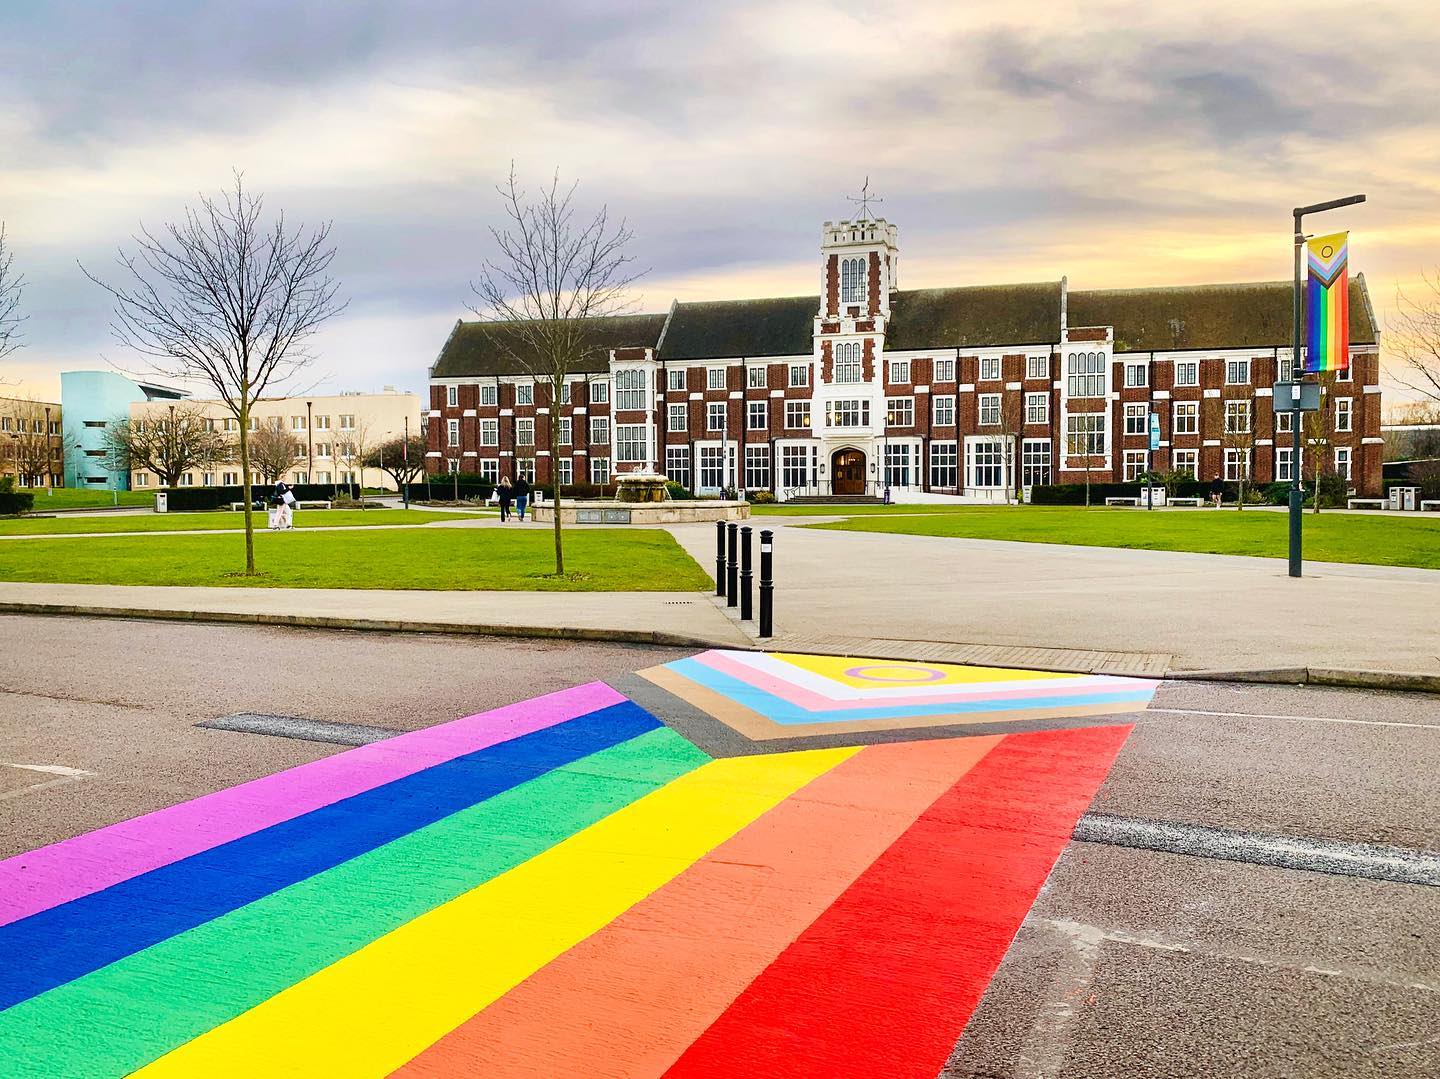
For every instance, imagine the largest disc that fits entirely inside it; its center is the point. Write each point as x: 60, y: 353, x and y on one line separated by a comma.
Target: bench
x: 1373, y: 503
x: 1122, y: 500
x: 258, y: 504
x: 1196, y: 502
x: 1430, y: 504
x: 315, y: 504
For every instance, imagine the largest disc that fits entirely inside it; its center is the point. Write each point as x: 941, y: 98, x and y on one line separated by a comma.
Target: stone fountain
x: 642, y: 498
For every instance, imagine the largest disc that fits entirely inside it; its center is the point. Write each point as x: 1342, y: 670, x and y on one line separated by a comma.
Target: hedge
x: 12, y: 501
x: 214, y: 498
x: 1073, y: 494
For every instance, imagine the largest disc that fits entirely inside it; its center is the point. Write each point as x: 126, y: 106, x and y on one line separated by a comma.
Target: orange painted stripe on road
x: 629, y: 1000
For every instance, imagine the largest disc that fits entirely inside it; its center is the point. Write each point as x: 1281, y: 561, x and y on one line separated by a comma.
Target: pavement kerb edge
x: 569, y: 633
x: 1403, y: 681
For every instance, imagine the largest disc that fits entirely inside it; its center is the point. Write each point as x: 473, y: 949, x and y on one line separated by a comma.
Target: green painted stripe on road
x: 133, y: 1011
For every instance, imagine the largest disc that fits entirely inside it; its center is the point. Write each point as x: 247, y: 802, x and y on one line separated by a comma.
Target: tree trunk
x: 245, y: 481
x: 555, y: 389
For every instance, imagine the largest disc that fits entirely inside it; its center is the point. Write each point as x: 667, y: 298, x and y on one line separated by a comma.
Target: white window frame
x: 854, y: 280
x: 452, y: 396
x: 1345, y: 462
x: 1234, y: 368
x: 757, y: 468
x: 1344, y: 409
x: 1238, y: 417
x: 715, y: 415
x: 945, y: 370
x: 1185, y: 418
x: 986, y: 459
x: 945, y: 465
x: 849, y: 363
x: 677, y: 464
x: 452, y: 432
x: 715, y: 378
x: 989, y: 405
x: 755, y: 378
x: 1037, y: 366
x: 525, y: 431
x: 675, y: 378
x: 1137, y: 375
x: 1284, y: 473
x: 631, y: 443
x: 489, y: 433
x: 631, y: 388
x: 900, y: 411
x: 1136, y: 419
x: 797, y: 409
x: 943, y: 410
x: 599, y: 430
x: 1134, y: 464
x: 1179, y: 459
x: 1237, y: 464
x: 677, y: 417
x: 599, y: 470
x: 899, y: 372
x: 524, y: 393
x: 799, y: 375
x: 1036, y: 462
x: 1037, y: 408
x: 754, y: 409
x: 600, y: 392
x: 1086, y: 374
x: 1187, y: 372
x: 489, y: 394
x: 989, y: 369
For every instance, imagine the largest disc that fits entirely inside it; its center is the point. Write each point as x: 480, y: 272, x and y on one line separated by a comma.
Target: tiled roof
x: 488, y: 348
x: 1253, y: 315
x: 975, y: 316
x: 723, y: 329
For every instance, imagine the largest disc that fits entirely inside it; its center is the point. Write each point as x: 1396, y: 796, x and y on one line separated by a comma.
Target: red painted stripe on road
x: 883, y: 983
x: 629, y: 1000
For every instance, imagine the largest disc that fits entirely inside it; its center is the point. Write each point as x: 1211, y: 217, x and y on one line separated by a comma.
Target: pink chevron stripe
x: 44, y: 878
x: 815, y: 702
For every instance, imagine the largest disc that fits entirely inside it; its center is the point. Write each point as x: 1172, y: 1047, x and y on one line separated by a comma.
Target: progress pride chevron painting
x: 560, y: 887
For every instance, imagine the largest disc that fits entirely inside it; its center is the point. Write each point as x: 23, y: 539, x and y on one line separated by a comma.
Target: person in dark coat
x: 522, y: 495
x: 506, y: 494
x: 1217, y: 490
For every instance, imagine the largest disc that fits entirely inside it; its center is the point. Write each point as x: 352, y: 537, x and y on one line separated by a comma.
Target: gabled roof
x: 725, y: 329
x: 489, y: 348
x: 974, y: 316
x: 1249, y: 315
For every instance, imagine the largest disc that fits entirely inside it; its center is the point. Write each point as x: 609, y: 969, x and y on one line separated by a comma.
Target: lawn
x: 1329, y: 537
x: 192, y: 522
x: 75, y: 498
x: 603, y: 560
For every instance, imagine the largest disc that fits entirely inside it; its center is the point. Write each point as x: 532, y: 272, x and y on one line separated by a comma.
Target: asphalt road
x: 1133, y: 962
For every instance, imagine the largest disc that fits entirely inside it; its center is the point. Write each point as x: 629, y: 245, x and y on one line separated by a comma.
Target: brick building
x: 954, y: 392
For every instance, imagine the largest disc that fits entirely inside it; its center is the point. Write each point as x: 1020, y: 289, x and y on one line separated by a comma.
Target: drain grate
x: 307, y: 730
x: 1369, y: 860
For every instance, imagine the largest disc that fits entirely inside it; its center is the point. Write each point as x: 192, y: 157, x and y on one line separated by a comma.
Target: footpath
x: 1051, y: 607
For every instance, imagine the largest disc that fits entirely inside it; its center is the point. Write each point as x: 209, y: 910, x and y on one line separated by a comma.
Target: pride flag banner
x: 1327, y: 320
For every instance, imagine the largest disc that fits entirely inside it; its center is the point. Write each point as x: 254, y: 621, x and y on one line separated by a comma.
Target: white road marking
x: 52, y: 769
x: 1298, y: 719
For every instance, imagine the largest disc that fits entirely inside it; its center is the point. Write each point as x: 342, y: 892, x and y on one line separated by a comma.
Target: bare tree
x: 553, y: 275
x: 1317, y: 432
x: 1085, y: 440
x: 353, y: 448
x: 273, y: 449
x: 225, y: 297
x: 167, y: 442
x: 1414, y: 337
x: 11, y: 287
x: 1012, y: 423
x: 1237, y: 435
x: 405, y: 462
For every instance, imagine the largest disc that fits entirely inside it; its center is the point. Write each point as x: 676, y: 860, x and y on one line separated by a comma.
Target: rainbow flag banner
x: 561, y: 887
x: 1327, y: 298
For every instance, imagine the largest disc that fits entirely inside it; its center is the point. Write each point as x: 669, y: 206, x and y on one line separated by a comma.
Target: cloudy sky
x: 1118, y: 143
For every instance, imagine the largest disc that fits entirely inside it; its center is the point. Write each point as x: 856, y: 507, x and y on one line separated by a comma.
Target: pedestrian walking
x: 506, y: 495
x: 522, y: 496
x: 1217, y: 490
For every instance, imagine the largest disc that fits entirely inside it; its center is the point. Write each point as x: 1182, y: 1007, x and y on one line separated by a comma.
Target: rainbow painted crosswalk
x: 560, y: 887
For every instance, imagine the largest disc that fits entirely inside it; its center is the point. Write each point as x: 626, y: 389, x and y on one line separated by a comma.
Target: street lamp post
x: 405, y: 460
x: 1297, y: 372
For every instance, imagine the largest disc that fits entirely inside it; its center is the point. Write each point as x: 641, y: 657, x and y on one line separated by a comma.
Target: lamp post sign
x: 1150, y: 460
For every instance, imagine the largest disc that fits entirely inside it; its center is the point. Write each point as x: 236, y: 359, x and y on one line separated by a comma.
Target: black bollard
x: 767, y: 585
x: 732, y: 569
x: 719, y: 558
x: 747, y: 577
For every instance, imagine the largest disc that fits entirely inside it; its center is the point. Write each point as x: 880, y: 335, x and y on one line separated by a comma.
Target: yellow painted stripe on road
x: 375, y: 1009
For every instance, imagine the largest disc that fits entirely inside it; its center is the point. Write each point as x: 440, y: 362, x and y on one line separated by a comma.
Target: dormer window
x: 852, y: 280
x: 847, y: 362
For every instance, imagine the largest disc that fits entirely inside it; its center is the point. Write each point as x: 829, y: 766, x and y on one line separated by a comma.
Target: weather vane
x: 865, y: 199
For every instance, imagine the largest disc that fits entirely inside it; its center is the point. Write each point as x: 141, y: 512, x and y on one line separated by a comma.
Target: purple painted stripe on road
x: 88, y: 863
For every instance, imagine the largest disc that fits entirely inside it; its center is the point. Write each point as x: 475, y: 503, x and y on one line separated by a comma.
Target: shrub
x: 14, y: 502
x: 1334, y: 489
x: 759, y: 498
x: 678, y: 492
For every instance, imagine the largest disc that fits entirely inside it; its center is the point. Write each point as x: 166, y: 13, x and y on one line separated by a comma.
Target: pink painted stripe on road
x: 798, y: 695
x: 45, y: 878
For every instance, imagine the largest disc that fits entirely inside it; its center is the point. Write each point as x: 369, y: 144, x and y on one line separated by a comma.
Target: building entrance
x: 847, y: 472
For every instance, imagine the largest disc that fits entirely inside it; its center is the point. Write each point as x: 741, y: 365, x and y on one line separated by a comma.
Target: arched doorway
x: 847, y: 472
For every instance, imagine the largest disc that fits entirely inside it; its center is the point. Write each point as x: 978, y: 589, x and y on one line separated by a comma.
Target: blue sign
x: 1154, y: 432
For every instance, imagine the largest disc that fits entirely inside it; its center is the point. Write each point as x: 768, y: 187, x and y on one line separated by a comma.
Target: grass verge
x: 1328, y: 537
x: 602, y: 560
x: 192, y: 522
